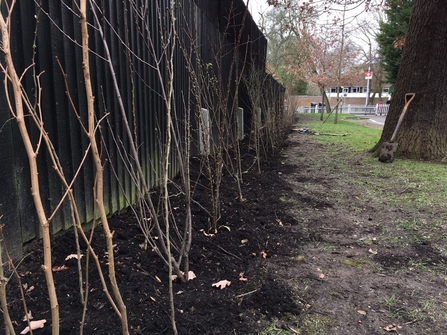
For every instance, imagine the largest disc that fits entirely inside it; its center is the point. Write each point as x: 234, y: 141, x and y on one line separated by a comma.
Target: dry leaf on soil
x: 372, y: 251
x: 241, y: 277
x: 191, y: 275
x: 30, y: 316
x: 75, y: 256
x: 34, y: 325
x: 392, y: 328
x: 222, y: 284
x: 205, y: 233
x: 361, y: 312
x: 60, y: 268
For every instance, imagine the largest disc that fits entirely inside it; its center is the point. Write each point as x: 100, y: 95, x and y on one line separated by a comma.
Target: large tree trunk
x: 423, y: 71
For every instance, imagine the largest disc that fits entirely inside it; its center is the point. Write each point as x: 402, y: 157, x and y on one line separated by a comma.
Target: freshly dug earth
x: 319, y: 258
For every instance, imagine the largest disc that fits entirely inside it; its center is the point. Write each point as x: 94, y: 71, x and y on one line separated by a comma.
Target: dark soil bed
x: 299, y: 247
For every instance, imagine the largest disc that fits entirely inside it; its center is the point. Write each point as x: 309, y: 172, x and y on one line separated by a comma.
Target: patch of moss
x: 299, y: 259
x: 354, y: 262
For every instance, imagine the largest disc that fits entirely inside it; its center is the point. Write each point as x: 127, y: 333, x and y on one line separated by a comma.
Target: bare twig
x: 248, y: 293
x: 229, y: 253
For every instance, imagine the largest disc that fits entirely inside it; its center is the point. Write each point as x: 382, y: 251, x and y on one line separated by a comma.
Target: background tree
x: 366, y: 32
x: 391, y: 38
x: 324, y: 59
x: 422, y: 71
x: 278, y: 26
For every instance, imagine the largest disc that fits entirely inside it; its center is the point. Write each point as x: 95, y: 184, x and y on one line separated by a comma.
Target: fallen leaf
x: 34, y: 325
x: 60, y: 268
x: 30, y: 316
x: 222, y: 284
x: 374, y: 252
x: 75, y: 256
x: 205, y: 233
x: 191, y: 275
x: 362, y: 312
x: 392, y: 328
x: 241, y: 277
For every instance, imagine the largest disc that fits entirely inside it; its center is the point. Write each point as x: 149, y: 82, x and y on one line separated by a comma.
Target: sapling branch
x: 18, y: 110
x: 99, y: 177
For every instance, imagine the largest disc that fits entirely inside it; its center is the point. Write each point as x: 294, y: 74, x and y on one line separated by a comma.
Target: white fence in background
x: 350, y: 109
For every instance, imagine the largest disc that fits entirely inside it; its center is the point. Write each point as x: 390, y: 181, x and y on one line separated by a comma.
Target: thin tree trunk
x: 99, y: 181
x: 19, y: 114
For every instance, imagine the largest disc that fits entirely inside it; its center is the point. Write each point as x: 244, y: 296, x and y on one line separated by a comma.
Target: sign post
x: 368, y: 77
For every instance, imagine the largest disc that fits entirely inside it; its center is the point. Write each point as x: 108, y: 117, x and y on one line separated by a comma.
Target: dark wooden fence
x: 44, y: 31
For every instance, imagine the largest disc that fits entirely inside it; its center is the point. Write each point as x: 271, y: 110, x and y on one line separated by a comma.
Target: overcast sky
x: 257, y: 6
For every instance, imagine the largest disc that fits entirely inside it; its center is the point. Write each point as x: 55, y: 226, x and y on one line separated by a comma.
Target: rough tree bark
x: 422, y: 71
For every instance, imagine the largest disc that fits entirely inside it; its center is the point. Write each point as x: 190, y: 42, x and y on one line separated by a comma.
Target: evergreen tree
x: 392, y: 36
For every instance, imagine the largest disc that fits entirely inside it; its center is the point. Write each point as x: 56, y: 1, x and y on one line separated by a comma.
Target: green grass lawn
x: 426, y: 180
x: 359, y: 138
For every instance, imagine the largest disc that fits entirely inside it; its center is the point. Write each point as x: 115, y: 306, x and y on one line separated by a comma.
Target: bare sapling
x: 84, y: 282
x: 9, y: 328
x: 17, y: 109
x: 277, y: 119
x: 99, y: 176
x: 36, y: 115
x: 255, y: 82
x: 14, y: 272
x: 213, y: 85
x: 157, y: 221
x: 234, y: 160
x: 152, y: 226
